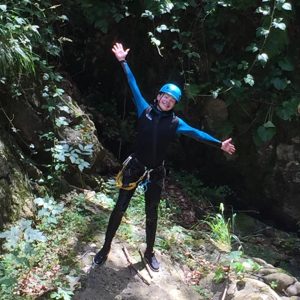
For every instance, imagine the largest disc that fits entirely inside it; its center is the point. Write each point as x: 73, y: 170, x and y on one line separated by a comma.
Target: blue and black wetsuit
x: 156, y: 129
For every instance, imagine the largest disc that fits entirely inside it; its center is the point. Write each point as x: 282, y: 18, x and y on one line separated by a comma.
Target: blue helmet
x: 172, y: 90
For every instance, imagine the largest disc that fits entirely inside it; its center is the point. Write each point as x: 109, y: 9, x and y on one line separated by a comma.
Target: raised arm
x: 139, y: 101
x: 184, y: 128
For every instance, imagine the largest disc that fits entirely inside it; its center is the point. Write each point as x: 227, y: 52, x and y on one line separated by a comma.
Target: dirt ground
x: 116, y: 280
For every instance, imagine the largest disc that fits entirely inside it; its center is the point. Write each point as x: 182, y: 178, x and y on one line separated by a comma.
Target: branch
x: 133, y: 267
x: 145, y: 263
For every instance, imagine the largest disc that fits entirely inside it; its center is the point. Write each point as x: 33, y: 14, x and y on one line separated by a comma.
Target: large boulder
x: 283, y: 184
x: 16, y: 197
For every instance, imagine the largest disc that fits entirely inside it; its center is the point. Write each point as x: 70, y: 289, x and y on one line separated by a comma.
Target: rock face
x: 29, y: 136
x: 283, y: 184
x: 16, y: 197
x: 270, y: 175
x: 251, y: 289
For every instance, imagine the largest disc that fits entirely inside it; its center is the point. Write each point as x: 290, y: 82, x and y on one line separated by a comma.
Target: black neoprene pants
x: 152, y: 199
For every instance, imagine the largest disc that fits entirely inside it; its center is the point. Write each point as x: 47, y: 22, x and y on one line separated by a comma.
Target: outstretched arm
x: 184, y: 128
x: 139, y: 101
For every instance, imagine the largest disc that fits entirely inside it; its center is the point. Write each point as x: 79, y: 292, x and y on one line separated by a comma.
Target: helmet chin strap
x: 156, y: 102
x: 158, y: 106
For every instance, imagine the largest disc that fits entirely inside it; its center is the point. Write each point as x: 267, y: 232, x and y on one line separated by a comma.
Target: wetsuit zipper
x: 156, y: 120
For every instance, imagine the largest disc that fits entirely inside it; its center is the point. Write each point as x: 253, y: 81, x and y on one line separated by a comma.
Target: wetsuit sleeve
x: 185, y: 129
x: 139, y: 101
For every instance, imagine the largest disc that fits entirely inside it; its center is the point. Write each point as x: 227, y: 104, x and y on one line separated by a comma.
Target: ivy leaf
x: 154, y: 40
x: 64, y: 108
x: 252, y: 47
x: 148, y: 14
x: 249, y: 79
x: 260, y: 31
x: 243, y: 65
x: 287, y: 109
x: 264, y: 10
x: 32, y: 235
x: 286, y: 6
x: 280, y: 84
x: 12, y: 237
x: 286, y: 65
x: 224, y: 3
x: 235, y: 83
x: 82, y: 164
x: 215, y: 93
x: 278, y: 24
x: 266, y: 131
x: 162, y: 28
x: 263, y: 58
x: 73, y: 157
x: 61, y: 121
x: 58, y: 92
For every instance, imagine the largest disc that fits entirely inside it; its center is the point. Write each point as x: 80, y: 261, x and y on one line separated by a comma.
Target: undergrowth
x: 40, y: 254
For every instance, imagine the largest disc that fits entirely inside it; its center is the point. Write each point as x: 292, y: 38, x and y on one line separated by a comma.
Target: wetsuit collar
x: 160, y: 112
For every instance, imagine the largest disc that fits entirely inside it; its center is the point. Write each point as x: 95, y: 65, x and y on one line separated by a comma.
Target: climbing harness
x: 132, y: 185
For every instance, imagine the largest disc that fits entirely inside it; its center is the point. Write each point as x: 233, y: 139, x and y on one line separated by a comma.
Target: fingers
x: 231, y: 149
x: 118, y: 47
x: 228, y: 147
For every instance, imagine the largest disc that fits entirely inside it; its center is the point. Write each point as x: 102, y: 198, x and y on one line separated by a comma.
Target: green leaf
x: 249, y: 79
x: 61, y: 121
x: 58, y: 92
x: 266, y: 131
x: 243, y: 65
x: 286, y: 65
x: 280, y: 84
x: 264, y: 10
x: 260, y: 31
x: 162, y: 28
x: 263, y: 58
x: 32, y: 235
x: 278, y: 24
x: 3, y: 7
x: 215, y: 93
x: 252, y: 47
x: 287, y: 6
x: 288, y: 109
x: 269, y: 124
x: 148, y: 14
x: 235, y: 83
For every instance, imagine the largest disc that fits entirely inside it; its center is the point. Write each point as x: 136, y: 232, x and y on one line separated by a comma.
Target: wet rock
x: 261, y: 262
x: 251, y: 289
x: 281, y: 280
x: 294, y: 289
x: 267, y: 271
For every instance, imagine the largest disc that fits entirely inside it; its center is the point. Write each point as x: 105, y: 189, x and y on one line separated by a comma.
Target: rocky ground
x: 267, y: 270
x: 117, y: 280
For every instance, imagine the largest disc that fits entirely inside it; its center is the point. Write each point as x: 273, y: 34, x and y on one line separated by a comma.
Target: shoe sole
x: 147, y: 262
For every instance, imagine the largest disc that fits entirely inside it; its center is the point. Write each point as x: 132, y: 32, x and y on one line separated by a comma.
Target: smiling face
x: 165, y: 102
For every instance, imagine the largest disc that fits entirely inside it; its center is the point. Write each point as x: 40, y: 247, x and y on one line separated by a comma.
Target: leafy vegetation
x: 221, y: 230
x: 251, y: 70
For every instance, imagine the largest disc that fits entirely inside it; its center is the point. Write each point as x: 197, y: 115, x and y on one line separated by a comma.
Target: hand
x: 119, y: 51
x: 228, y: 147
